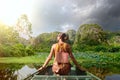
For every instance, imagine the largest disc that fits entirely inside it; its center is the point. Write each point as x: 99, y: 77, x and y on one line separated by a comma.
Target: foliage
x: 44, y: 41
x: 8, y: 35
x: 99, y: 59
x: 1, y: 50
x: 38, y: 58
x: 90, y: 34
x: 24, y: 26
x: 29, y: 50
x: 98, y: 48
x: 114, y: 49
x: 102, y: 48
x: 93, y: 47
x: 103, y: 61
x: 17, y: 50
x: 11, y: 44
x: 89, y: 37
x: 71, y: 33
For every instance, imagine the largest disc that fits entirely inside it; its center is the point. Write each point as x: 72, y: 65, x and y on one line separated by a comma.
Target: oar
x: 38, y: 71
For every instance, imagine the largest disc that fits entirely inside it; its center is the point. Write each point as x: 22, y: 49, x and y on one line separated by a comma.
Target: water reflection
x: 24, y: 72
x: 7, y: 74
x: 21, y: 71
x: 15, y: 71
x: 7, y: 71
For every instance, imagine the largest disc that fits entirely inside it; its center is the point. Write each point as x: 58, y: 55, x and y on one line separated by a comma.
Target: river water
x: 21, y: 71
x: 15, y: 71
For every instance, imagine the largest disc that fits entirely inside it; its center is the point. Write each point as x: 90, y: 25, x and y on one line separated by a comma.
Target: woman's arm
x: 74, y: 60
x: 49, y: 57
x: 76, y: 63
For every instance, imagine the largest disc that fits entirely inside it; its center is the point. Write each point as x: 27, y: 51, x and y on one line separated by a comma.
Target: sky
x: 62, y: 15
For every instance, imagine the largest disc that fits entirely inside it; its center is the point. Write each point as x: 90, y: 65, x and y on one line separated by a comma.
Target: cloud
x: 66, y: 27
x: 60, y: 15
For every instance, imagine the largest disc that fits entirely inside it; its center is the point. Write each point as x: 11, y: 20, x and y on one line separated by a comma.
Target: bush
x: 1, y: 50
x: 83, y: 48
x: 97, y: 48
x: 101, y: 48
x: 29, y: 50
x: 17, y: 50
x: 78, y: 48
x: 114, y: 49
x: 6, y: 51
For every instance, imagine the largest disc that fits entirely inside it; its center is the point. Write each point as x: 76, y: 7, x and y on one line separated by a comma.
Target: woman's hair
x: 63, y: 36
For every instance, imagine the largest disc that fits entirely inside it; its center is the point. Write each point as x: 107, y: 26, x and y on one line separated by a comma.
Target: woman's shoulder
x: 54, y: 45
x: 67, y: 45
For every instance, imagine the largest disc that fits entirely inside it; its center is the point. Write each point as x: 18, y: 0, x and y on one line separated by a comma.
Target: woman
x: 61, y: 52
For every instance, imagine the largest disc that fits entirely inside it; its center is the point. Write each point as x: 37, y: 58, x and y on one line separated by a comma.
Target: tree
x: 90, y: 34
x: 24, y: 26
x: 8, y: 35
x: 71, y: 33
x: 44, y: 41
x: 114, y: 38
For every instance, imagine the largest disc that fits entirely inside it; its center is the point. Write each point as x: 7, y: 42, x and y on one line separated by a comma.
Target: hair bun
x: 63, y: 36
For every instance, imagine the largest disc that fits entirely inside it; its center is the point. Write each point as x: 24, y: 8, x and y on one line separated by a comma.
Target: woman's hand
x: 81, y: 68
x: 41, y: 68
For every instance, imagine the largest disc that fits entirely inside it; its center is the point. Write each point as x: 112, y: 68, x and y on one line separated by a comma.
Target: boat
x: 75, y: 74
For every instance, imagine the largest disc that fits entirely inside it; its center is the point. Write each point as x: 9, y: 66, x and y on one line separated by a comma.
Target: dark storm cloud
x: 61, y: 15
x: 107, y: 14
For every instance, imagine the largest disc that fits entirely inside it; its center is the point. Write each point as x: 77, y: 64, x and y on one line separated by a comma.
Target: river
x: 16, y: 71
x: 21, y: 71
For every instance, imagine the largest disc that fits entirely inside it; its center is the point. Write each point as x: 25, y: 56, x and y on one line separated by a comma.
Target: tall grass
x: 39, y: 58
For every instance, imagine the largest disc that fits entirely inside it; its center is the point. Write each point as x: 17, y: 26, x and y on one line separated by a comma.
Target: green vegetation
x: 44, y: 41
x: 94, y: 48
x: 90, y: 34
x: 11, y: 43
x: 89, y: 37
x: 86, y: 59
x: 99, y: 63
x: 24, y: 60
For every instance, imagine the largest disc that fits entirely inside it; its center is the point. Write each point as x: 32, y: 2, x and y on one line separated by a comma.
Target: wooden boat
x: 75, y: 74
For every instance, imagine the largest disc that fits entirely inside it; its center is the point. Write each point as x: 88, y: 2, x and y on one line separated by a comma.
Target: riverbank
x: 25, y: 60
x: 28, y: 59
x: 100, y: 64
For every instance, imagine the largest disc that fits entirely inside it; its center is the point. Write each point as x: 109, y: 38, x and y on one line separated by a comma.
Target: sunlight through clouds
x: 12, y: 9
x: 60, y: 15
